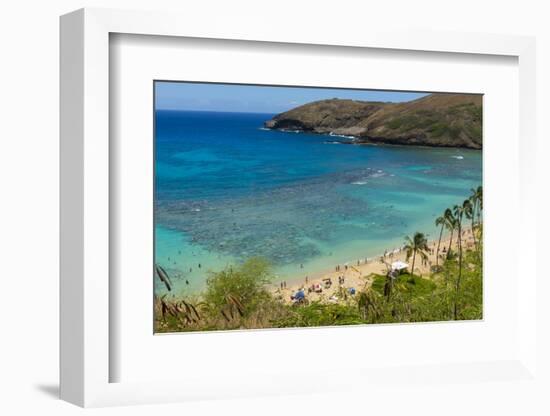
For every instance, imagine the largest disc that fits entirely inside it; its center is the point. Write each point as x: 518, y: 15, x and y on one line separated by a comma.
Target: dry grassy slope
x: 451, y: 120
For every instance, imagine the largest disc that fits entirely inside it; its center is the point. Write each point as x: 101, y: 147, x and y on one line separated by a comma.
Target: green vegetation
x: 320, y: 314
x: 444, y: 122
x: 238, y: 298
x: 240, y: 288
x: 411, y: 286
x: 417, y: 244
x: 413, y: 121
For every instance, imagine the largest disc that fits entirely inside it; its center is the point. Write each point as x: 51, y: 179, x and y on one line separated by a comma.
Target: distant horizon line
x: 211, y: 111
x: 300, y: 105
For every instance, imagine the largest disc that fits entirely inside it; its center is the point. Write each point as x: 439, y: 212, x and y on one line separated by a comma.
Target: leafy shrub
x: 242, y: 286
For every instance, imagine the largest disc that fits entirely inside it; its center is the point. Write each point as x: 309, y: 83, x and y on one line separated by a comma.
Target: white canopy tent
x: 399, y: 265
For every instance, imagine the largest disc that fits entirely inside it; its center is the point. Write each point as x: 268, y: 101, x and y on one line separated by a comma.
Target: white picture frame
x: 86, y: 356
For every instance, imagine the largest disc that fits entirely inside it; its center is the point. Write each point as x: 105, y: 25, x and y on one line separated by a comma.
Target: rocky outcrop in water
x: 441, y: 120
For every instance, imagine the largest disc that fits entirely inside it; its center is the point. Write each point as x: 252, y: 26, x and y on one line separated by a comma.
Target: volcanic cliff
x: 440, y: 119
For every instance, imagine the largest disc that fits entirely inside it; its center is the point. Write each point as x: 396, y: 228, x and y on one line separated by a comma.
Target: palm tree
x: 390, y: 276
x: 477, y: 205
x: 473, y: 200
x: 477, y: 200
x: 439, y: 221
x: 458, y: 212
x: 450, y: 224
x: 418, y: 244
x: 469, y: 213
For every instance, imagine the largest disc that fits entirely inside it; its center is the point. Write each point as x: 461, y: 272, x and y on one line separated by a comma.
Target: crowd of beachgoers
x: 354, y: 275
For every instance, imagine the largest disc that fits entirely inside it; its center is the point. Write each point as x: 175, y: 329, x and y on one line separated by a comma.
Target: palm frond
x: 163, y: 276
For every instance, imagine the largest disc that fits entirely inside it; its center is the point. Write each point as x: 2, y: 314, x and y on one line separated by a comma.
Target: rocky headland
x: 440, y: 119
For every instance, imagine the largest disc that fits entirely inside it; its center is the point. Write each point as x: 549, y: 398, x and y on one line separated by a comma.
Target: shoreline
x: 370, y: 141
x: 356, y: 274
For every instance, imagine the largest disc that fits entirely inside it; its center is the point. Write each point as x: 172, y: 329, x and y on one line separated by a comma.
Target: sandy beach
x: 356, y: 274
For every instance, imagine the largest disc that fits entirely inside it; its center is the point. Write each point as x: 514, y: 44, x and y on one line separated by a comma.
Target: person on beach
x: 187, y: 282
x: 199, y: 265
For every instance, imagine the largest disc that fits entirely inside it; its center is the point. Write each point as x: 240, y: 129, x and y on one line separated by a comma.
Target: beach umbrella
x: 299, y: 295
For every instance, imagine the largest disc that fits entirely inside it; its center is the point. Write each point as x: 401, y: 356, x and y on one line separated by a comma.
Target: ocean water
x: 227, y: 190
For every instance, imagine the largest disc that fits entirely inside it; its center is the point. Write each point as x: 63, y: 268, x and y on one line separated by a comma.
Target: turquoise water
x: 227, y: 189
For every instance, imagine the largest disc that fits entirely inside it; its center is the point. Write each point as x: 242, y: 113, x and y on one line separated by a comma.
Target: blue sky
x: 257, y: 99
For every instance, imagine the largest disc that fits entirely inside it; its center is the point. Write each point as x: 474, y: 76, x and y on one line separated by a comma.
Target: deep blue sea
x: 227, y: 189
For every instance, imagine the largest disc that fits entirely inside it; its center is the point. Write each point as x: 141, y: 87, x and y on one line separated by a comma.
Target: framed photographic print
x: 285, y: 207
x: 290, y: 213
